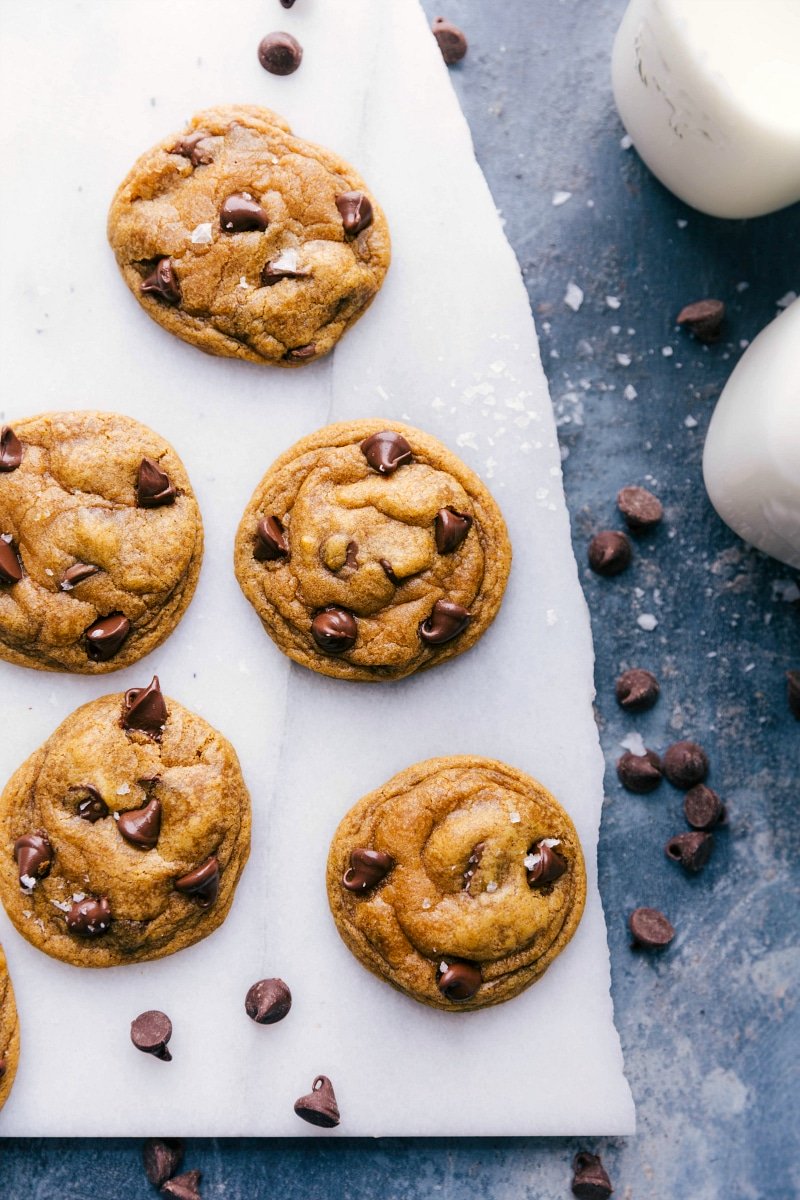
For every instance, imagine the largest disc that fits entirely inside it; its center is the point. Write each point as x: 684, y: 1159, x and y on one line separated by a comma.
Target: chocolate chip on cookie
x: 367, y: 868
x: 240, y: 213
x: 10, y: 566
x: 192, y: 147
x: 153, y: 486
x: 151, y: 1032
x: 9, y: 1032
x: 386, y: 451
x: 335, y: 630
x: 105, y: 638
x: 145, y: 709
x: 319, y: 1107
x: 458, y: 980
x: 356, y: 211
x: 284, y: 266
x: 451, y: 528
x: 268, y: 1001
x: 543, y: 863
x: 446, y: 621
x: 34, y: 858
x: 89, y: 804
x: 280, y: 53
x: 10, y: 449
x: 162, y: 283
x: 141, y: 826
x: 89, y: 916
x: 76, y: 574
x: 201, y: 883
x: 271, y: 542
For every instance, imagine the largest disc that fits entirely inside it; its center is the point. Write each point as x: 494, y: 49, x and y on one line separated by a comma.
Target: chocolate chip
x: 691, y: 850
x: 191, y: 147
x: 2, y: 1067
x: 640, y: 508
x: 447, y: 620
x: 356, y: 212
x: 386, y: 451
x: 34, y: 858
x: 268, y: 1001
x: 10, y: 449
x: 153, y: 486
x: 271, y: 541
x: 650, y: 928
x: 202, y: 883
x: 240, y: 213
x: 184, y: 1187
x: 609, y: 552
x: 150, y: 1033
x: 76, y: 574
x: 163, y: 283
x: 703, y: 808
x: 450, y: 528
x: 90, y: 917
x: 793, y: 692
x: 319, y: 1107
x: 351, y: 556
x: 590, y: 1180
x: 92, y: 807
x: 280, y: 53
x: 141, y: 826
x: 548, y: 865
x: 287, y: 3
x: 388, y: 572
x: 145, y: 709
x: 334, y: 630
x: 301, y: 353
x: 473, y: 862
x: 685, y: 764
x: 161, y: 1158
x: 452, y: 42
x: 458, y: 980
x: 636, y: 690
x: 367, y: 868
x: 640, y: 773
x: 283, y: 267
x: 105, y: 637
x: 704, y: 319
x: 10, y: 566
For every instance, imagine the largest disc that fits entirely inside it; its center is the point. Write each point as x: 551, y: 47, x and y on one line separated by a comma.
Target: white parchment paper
x: 449, y: 345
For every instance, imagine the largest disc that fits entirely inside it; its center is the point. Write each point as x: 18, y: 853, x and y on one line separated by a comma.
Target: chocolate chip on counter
x: 76, y: 574
x: 685, y: 764
x: 240, y: 213
x: 334, y: 630
x: 153, y: 486
x: 301, y: 353
x: 639, y: 773
x: 356, y: 211
x: 386, y: 451
x: 450, y: 528
x: 650, y: 929
x: 10, y: 449
x: 458, y: 980
x: 163, y: 283
x: 92, y: 807
x: 703, y: 808
x: 34, y: 858
x: 473, y: 862
x: 89, y: 917
x: 105, y: 637
x: 447, y: 620
x: 161, y: 1158
x: 703, y: 318
x: 691, y: 850
x: 150, y: 1033
x: 452, y: 42
x: 184, y: 1187
x: 280, y: 53
x: 268, y: 1001
x: 319, y: 1107
x: 141, y: 826
x: 609, y: 552
x: 793, y: 692
x: 10, y: 566
x: 367, y: 868
x: 202, y: 883
x: 283, y: 267
x: 191, y: 147
x: 544, y: 864
x: 144, y: 709
x: 590, y: 1180
x: 640, y: 508
x: 636, y: 690
x: 271, y: 541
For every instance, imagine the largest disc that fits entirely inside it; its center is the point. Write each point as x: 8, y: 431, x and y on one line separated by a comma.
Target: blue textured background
x: 707, y: 1029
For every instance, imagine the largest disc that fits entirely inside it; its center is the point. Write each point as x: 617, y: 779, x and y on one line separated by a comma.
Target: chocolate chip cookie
x: 369, y: 551
x: 9, y: 1032
x: 458, y: 881
x: 247, y: 241
x: 100, y: 541
x: 123, y: 837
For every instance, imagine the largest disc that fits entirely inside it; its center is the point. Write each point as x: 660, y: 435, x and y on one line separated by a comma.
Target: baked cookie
x: 100, y: 541
x: 458, y: 881
x: 247, y: 241
x: 369, y: 551
x: 123, y: 837
x: 9, y: 1032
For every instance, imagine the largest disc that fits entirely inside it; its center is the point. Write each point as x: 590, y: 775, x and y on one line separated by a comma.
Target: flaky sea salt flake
x: 202, y: 235
x: 573, y: 297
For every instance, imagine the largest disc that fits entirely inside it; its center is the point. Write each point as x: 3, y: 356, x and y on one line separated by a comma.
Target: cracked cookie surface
x: 9, y: 1032
x: 102, y: 541
x: 458, y: 882
x: 123, y: 837
x: 247, y: 241
x: 370, y: 551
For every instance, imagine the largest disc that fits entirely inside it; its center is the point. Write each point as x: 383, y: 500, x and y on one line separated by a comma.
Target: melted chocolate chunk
x: 283, y: 267
x: 10, y: 449
x: 34, y: 858
x: 153, y: 486
x: 104, y: 639
x: 76, y: 574
x: 90, y: 917
x: 271, y: 540
x: 548, y: 865
x: 356, y: 211
x: 145, y: 709
x: 447, y: 620
x: 92, y: 807
x: 141, y: 826
x: 191, y: 147
x: 202, y: 883
x: 319, y: 1107
x: 458, y: 980
x: 10, y: 566
x: 367, y: 868
x: 334, y: 630
x: 163, y: 283
x: 301, y: 353
x: 240, y: 213
x: 450, y: 528
x: 386, y: 451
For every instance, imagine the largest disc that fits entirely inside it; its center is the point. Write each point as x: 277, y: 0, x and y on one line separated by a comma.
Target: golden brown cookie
x: 123, y: 837
x: 248, y: 242
x: 9, y: 1032
x: 458, y: 881
x: 369, y: 551
x: 101, y: 541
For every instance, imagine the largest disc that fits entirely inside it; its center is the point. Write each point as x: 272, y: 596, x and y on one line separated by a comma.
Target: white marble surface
x: 448, y: 345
